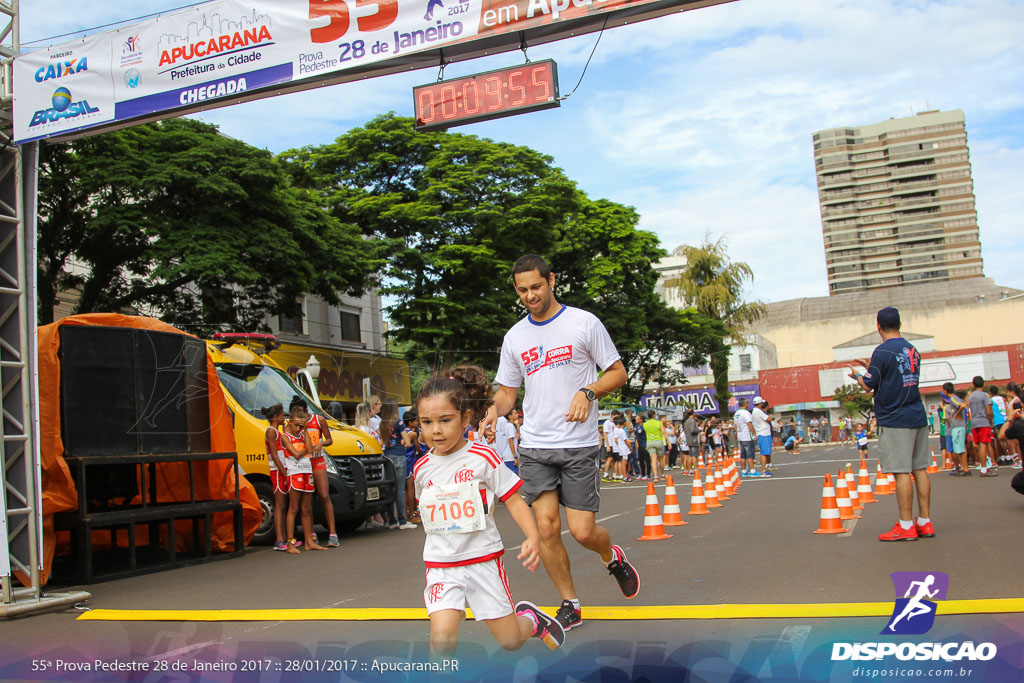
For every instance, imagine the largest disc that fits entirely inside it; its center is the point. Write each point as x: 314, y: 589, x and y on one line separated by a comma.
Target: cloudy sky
x: 703, y: 120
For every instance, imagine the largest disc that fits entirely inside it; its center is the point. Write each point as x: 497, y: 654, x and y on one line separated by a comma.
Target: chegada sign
x: 228, y: 51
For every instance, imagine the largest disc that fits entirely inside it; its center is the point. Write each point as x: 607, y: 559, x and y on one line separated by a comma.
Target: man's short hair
x: 948, y: 387
x: 743, y: 403
x: 978, y: 381
x: 615, y: 412
x: 650, y: 414
x: 529, y: 262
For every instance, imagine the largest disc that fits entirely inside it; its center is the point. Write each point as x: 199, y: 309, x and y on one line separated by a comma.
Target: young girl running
x: 278, y: 471
x: 300, y: 477
x: 458, y: 484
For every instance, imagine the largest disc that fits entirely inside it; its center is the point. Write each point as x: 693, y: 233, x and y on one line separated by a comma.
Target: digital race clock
x: 490, y: 95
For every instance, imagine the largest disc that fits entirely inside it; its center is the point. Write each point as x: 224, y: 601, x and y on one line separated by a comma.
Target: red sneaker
x: 898, y: 533
x: 924, y: 530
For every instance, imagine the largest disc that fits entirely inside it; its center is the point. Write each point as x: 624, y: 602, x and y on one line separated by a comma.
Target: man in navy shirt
x: 893, y: 374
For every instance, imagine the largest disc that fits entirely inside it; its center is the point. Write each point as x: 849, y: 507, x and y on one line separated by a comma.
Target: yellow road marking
x: 650, y: 612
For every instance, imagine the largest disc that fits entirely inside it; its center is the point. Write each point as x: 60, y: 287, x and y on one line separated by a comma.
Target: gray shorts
x: 573, y: 472
x: 903, y: 450
x: 656, y: 447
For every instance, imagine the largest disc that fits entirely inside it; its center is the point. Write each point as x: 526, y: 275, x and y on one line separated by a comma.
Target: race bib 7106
x: 452, y: 509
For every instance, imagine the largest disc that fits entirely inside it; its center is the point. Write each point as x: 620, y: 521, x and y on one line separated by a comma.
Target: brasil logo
x: 914, y: 612
x: 62, y: 106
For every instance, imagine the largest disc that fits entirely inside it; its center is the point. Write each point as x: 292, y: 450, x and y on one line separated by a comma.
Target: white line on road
x: 603, y: 519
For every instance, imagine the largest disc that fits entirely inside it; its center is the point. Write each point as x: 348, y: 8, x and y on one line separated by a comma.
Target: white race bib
x: 452, y: 509
x: 862, y: 441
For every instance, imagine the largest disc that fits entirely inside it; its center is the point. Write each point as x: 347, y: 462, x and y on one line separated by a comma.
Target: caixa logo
x: 914, y: 614
x: 64, y: 107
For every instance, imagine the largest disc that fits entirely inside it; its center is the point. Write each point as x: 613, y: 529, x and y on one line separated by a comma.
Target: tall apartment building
x: 897, y: 202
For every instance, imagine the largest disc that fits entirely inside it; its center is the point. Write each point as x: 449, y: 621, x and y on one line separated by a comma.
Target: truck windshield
x: 261, y: 386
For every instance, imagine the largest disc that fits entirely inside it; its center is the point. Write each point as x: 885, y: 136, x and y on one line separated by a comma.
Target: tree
x: 449, y: 213
x: 714, y: 286
x: 855, y: 401
x: 604, y: 264
x: 177, y: 220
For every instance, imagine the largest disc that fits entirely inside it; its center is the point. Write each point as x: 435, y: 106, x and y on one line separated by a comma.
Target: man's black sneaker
x: 568, y: 616
x: 622, y: 570
x: 548, y: 629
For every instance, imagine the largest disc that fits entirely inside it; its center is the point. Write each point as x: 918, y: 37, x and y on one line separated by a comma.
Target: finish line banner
x: 220, y: 52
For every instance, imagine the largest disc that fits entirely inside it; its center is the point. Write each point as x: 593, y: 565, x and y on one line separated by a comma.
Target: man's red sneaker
x: 898, y: 533
x: 924, y: 530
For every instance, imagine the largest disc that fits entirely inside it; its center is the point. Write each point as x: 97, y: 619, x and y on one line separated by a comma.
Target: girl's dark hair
x: 272, y: 411
x: 466, y: 386
x: 297, y: 401
x: 297, y: 409
x: 961, y: 393
x: 1014, y: 387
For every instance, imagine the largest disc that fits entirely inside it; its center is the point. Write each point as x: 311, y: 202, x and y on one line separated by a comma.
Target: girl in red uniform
x: 278, y: 471
x: 297, y: 444
x: 459, y: 483
x: 320, y: 438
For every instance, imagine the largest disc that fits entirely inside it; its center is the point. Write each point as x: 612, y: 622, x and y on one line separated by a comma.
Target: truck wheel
x: 265, y: 531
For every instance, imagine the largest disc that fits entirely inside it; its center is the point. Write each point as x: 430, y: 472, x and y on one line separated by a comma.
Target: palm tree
x: 714, y: 286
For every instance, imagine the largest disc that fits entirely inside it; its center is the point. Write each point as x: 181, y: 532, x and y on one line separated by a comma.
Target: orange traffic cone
x: 851, y: 486
x: 934, y: 467
x: 710, y: 492
x: 882, y: 483
x: 733, y: 483
x: 947, y: 462
x: 892, y: 481
x: 829, y: 523
x: 723, y: 495
x: 654, y: 529
x: 698, y: 505
x: 843, y: 498
x: 864, y: 485
x: 673, y: 516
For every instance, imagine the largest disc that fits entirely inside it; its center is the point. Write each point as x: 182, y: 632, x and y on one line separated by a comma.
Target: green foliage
x: 714, y: 287
x: 449, y: 213
x: 855, y: 401
x: 177, y: 219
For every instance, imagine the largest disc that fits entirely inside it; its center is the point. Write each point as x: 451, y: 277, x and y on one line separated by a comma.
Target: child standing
x: 300, y: 478
x: 458, y: 484
x: 624, y: 447
x: 278, y: 471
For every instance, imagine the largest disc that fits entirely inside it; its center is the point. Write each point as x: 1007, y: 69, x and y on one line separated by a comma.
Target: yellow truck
x: 362, y: 481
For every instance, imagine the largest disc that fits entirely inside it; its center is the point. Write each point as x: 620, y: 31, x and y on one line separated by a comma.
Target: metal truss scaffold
x: 21, y: 528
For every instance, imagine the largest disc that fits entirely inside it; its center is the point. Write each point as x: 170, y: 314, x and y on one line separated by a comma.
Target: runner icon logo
x: 914, y: 612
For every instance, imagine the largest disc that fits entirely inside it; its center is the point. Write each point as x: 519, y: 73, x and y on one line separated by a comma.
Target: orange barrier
x: 829, y: 521
x: 710, y: 493
x: 934, y: 467
x: 843, y: 498
x: 654, y: 528
x: 864, y: 484
x: 851, y: 486
x: 673, y: 516
x: 723, y: 495
x: 698, y: 504
x: 947, y: 462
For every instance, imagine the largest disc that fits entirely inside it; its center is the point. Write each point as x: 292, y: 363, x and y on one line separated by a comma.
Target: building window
x: 287, y: 323
x: 745, y: 362
x: 350, y: 327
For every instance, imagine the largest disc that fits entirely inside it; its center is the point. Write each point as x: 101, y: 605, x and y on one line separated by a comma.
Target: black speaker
x: 173, y: 400
x: 126, y: 391
x: 98, y: 404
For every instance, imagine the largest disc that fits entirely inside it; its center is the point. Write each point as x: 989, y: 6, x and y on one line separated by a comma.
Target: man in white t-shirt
x: 743, y: 420
x: 762, y: 423
x: 557, y: 351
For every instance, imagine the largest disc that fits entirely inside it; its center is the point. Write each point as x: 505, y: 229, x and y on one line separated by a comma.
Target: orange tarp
x: 215, y: 480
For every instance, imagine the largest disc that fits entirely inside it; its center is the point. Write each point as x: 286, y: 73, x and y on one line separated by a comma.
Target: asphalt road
x: 758, y: 549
